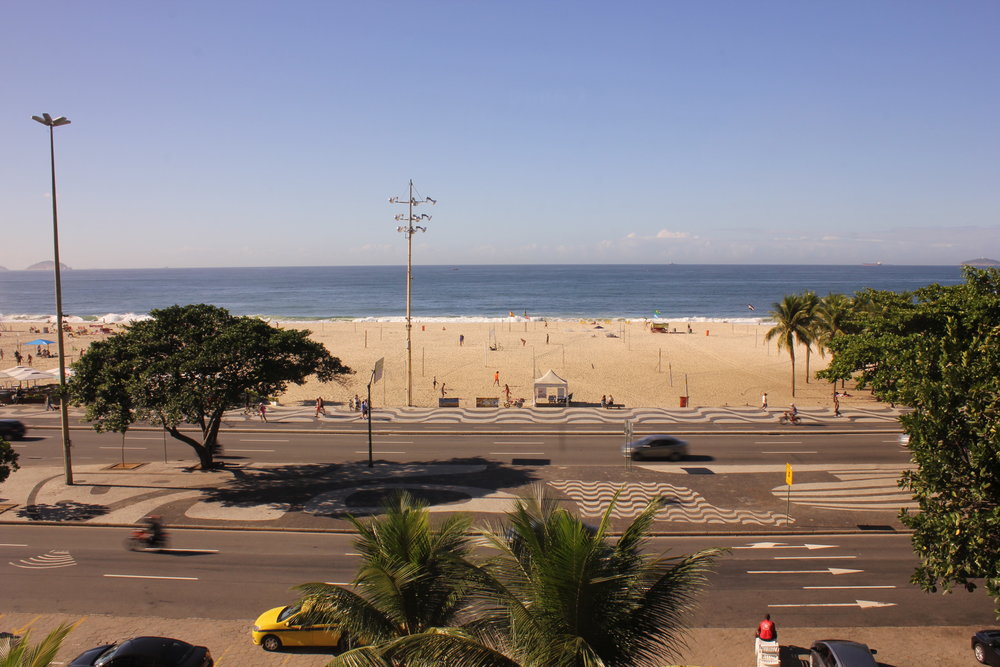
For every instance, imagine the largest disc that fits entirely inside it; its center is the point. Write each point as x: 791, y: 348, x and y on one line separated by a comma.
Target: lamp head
x: 46, y: 119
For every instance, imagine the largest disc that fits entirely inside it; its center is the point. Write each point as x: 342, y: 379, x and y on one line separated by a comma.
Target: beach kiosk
x: 550, y: 389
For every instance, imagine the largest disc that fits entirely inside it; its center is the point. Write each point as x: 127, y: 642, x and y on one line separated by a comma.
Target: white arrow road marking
x: 782, y: 545
x: 864, y: 604
x: 145, y: 576
x: 831, y: 570
x: 830, y: 588
x: 812, y: 557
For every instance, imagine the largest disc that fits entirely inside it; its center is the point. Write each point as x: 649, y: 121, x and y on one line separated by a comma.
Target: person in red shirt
x: 767, y: 631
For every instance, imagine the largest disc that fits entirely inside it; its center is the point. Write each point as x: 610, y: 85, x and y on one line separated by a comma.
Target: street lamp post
x: 52, y: 123
x: 409, y: 229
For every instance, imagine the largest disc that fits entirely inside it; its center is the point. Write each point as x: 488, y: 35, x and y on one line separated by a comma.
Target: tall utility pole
x: 52, y: 123
x: 409, y: 229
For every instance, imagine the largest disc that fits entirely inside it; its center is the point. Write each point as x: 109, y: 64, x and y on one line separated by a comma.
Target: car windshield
x: 289, y: 611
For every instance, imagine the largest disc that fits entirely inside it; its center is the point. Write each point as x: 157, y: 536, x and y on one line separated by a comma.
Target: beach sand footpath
x: 719, y: 364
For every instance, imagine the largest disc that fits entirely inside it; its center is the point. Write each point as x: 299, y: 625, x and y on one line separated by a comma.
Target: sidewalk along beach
x: 717, y: 364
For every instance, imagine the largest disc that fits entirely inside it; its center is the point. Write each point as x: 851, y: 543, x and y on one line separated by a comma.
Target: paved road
x: 832, y: 580
x: 571, y: 445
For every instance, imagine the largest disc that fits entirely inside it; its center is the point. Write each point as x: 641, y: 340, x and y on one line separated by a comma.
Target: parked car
x: 986, y: 647
x: 146, y: 651
x: 12, y: 429
x: 656, y: 447
x: 295, y: 625
x: 841, y: 653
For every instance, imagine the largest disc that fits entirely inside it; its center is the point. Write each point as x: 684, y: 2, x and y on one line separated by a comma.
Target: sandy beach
x: 717, y: 364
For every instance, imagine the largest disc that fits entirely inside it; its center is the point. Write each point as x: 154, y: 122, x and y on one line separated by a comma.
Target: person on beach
x: 604, y: 401
x: 461, y: 340
x: 319, y: 407
x: 357, y: 403
x: 506, y: 391
x: 262, y: 411
x: 17, y: 357
x: 836, y: 404
x: 763, y: 401
x: 435, y: 382
x: 611, y: 401
x: 442, y: 390
x: 496, y: 379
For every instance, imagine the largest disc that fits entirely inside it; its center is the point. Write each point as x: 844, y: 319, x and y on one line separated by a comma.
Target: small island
x: 47, y: 265
x: 981, y: 262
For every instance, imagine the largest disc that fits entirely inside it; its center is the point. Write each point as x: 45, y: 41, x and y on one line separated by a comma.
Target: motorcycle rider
x: 154, y: 527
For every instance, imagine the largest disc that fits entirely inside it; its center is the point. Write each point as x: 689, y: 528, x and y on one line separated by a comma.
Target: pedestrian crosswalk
x: 854, y: 489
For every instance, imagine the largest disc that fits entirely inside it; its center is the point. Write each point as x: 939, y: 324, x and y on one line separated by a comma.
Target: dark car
x: 656, y: 447
x: 840, y: 653
x: 12, y: 429
x: 146, y: 651
x: 986, y: 647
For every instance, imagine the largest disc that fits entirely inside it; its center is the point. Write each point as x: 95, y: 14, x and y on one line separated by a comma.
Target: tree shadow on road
x: 297, y: 486
x: 62, y: 511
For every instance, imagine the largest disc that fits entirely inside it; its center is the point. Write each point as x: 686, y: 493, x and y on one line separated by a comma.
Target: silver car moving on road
x: 656, y: 447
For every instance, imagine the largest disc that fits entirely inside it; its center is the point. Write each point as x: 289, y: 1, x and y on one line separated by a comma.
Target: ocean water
x: 679, y: 291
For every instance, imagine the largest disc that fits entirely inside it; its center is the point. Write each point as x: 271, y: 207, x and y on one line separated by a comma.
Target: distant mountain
x: 3, y: 268
x: 47, y: 265
x: 982, y: 261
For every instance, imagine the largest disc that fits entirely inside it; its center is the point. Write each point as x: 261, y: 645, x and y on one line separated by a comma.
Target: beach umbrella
x: 39, y: 341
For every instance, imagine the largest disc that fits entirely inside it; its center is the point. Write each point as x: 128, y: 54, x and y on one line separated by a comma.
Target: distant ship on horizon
x: 872, y: 264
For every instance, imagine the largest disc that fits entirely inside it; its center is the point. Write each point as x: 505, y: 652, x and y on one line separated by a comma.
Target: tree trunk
x: 205, y: 451
x: 808, y: 351
x: 791, y: 353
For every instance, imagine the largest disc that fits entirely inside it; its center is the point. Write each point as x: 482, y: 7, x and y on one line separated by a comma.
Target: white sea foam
x: 126, y: 318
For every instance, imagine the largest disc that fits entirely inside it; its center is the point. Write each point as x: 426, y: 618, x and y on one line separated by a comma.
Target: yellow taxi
x: 295, y: 625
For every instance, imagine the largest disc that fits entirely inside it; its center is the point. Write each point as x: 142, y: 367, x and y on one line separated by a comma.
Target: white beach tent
x: 550, y: 389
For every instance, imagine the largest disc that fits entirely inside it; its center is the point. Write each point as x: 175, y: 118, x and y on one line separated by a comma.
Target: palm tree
x: 21, y: 653
x: 413, y: 578
x: 808, y: 335
x: 562, y: 594
x: 791, y: 322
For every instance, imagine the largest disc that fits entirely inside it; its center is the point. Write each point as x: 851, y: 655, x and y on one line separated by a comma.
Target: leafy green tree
x: 937, y: 351
x: 562, y: 593
x: 8, y: 460
x: 189, y: 364
x: 792, y: 323
x: 413, y: 579
x: 23, y: 653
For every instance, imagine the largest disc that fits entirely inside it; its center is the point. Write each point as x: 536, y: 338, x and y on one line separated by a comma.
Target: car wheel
x: 270, y: 643
x: 676, y: 456
x: 980, y: 652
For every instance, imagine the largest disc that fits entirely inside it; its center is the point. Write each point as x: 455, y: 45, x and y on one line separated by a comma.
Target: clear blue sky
x: 246, y: 133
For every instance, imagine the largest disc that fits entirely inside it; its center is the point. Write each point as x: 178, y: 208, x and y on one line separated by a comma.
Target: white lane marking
x: 789, y: 452
x: 13, y: 545
x: 149, y: 576
x: 520, y: 442
x: 120, y: 448
x: 828, y: 588
x: 782, y: 545
x: 777, y: 442
x: 393, y: 442
x: 813, y: 557
x: 864, y: 604
x: 830, y: 570
x: 365, y: 451
x: 141, y: 437
x: 262, y: 440
x: 230, y: 449
x: 517, y: 453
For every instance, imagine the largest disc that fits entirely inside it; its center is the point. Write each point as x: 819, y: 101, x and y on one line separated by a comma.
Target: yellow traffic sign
x: 788, y: 474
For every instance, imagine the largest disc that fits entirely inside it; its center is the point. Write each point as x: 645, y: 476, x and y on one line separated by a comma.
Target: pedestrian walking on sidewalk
x: 320, y: 408
x: 763, y: 401
x: 262, y: 411
x: 836, y: 404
